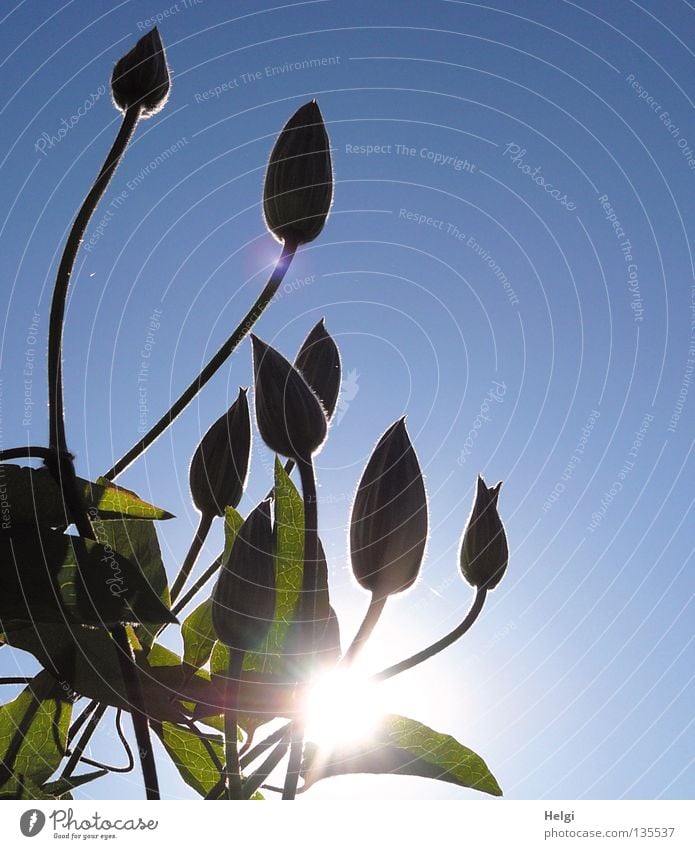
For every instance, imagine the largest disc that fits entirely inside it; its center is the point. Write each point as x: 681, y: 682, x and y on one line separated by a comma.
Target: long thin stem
x: 264, y: 771
x: 307, y: 612
x: 34, y: 451
x: 81, y: 744
x: 374, y: 611
x: 264, y: 745
x: 435, y: 648
x: 231, y: 725
x: 288, y: 251
x: 61, y: 464
x: 189, y: 562
x: 135, y: 697
x: 199, y: 584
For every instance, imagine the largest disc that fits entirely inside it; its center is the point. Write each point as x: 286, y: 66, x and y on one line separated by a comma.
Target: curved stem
x: 60, y: 292
x: 81, y: 745
x: 200, y: 535
x: 231, y: 725
x: 140, y: 725
x: 33, y: 451
x: 435, y: 648
x: 374, y: 611
x: 288, y: 251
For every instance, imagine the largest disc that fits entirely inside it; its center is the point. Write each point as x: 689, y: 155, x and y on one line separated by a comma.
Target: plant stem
x: 435, y: 648
x: 253, y: 782
x: 81, y: 744
x: 200, y: 535
x: 264, y: 745
x: 231, y: 725
x: 134, y: 694
x: 21, y: 680
x: 307, y: 612
x: 60, y: 464
x: 33, y: 451
x: 288, y: 251
x: 374, y: 611
x: 202, y: 580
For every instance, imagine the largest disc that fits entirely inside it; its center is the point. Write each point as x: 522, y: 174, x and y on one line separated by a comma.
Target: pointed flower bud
x: 388, y: 528
x: 142, y: 76
x: 484, y: 551
x: 243, y: 600
x: 299, y: 182
x: 221, y: 462
x: 318, y: 361
x: 289, y: 416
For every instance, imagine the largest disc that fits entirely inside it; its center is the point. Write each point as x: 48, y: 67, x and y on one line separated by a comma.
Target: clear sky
x: 507, y: 262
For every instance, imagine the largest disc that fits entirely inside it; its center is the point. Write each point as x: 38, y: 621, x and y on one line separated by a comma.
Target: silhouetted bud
x: 318, y: 361
x: 299, y: 181
x: 221, y: 462
x: 142, y: 76
x: 484, y: 551
x: 289, y: 416
x: 388, y: 528
x: 243, y: 600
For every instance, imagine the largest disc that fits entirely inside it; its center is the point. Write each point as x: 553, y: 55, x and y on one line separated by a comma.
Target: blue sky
x: 507, y: 262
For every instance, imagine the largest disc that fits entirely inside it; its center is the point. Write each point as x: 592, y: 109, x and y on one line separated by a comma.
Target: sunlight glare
x: 342, y: 707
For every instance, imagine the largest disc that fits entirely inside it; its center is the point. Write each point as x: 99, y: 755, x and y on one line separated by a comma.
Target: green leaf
x: 191, y: 755
x: 198, y: 635
x: 58, y: 789
x: 47, y: 576
x: 34, y: 498
x: 232, y: 522
x: 289, y: 569
x: 402, y: 746
x: 33, y: 730
x: 22, y: 787
x: 136, y: 540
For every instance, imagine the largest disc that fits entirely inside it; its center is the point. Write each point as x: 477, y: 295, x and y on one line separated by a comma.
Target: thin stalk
x: 288, y: 251
x: 264, y: 771
x: 374, y: 611
x: 60, y: 463
x: 199, y: 584
x: 264, y: 745
x: 19, y: 680
x: 137, y: 711
x: 33, y: 451
x: 81, y: 744
x: 435, y: 648
x: 189, y: 562
x: 231, y: 725
x: 80, y: 721
x: 307, y: 612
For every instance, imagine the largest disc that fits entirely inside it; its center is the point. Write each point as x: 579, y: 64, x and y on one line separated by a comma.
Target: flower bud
x: 142, y: 76
x: 299, y: 181
x: 484, y: 551
x: 243, y: 600
x: 318, y: 361
x: 221, y: 462
x: 388, y: 528
x: 289, y: 416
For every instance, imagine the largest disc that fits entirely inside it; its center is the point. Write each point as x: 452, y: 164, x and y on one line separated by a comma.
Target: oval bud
x: 220, y: 464
x: 484, y: 550
x: 318, y: 361
x: 299, y: 181
x: 142, y: 76
x: 243, y: 600
x: 290, y: 418
x: 388, y: 528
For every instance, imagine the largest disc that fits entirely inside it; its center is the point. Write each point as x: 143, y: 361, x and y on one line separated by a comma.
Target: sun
x: 342, y: 707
